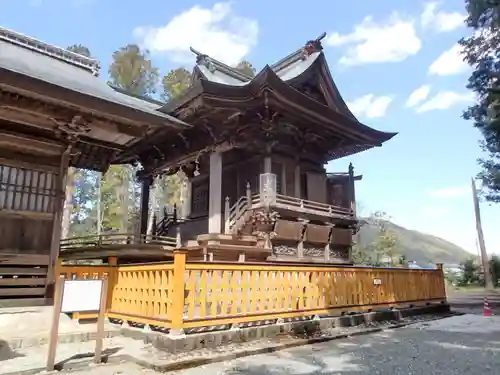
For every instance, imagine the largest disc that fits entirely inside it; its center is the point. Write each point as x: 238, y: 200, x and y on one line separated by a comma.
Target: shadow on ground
x: 105, y: 355
x: 6, y: 352
x: 403, y: 351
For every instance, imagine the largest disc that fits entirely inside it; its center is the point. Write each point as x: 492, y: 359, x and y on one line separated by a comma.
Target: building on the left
x: 55, y: 113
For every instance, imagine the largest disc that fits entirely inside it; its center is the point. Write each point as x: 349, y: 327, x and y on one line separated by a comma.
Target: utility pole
x: 488, y: 284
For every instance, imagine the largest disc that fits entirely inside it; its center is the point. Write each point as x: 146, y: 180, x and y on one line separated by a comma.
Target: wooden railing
x: 250, y: 201
x: 110, y: 239
x: 311, y: 206
x: 233, y: 213
x: 186, y: 295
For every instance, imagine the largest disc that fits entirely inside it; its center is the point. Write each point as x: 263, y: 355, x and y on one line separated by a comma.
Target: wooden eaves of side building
x: 54, y: 113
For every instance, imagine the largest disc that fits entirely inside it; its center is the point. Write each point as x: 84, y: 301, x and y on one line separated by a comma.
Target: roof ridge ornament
x: 84, y: 62
x: 314, y: 45
x: 205, y: 60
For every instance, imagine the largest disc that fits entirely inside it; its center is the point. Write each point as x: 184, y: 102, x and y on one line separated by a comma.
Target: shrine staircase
x: 237, y: 217
x: 167, y: 223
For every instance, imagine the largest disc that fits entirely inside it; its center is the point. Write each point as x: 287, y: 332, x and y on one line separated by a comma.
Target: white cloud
x: 450, y: 62
x: 370, y: 42
x: 418, y: 95
x: 370, y: 106
x: 216, y: 31
x: 451, y: 192
x: 444, y: 100
x: 439, y: 20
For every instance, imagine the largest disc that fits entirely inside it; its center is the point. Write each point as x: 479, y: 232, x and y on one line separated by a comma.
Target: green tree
x: 470, y: 272
x: 246, y: 68
x: 386, y: 243
x: 115, y: 199
x: 73, y: 174
x: 83, y: 219
x: 133, y: 71
x: 482, y: 53
x: 176, y: 83
x: 361, y: 255
x: 495, y: 269
x: 80, y: 49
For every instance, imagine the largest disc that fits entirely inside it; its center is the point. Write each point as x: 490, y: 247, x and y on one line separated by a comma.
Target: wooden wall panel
x: 24, y: 235
x: 338, y: 191
x: 27, y: 198
x: 316, y: 187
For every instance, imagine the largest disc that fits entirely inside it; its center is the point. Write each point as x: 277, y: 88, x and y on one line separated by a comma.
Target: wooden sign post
x: 78, y: 296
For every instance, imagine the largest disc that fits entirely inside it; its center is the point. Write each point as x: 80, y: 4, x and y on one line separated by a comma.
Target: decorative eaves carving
x: 72, y: 130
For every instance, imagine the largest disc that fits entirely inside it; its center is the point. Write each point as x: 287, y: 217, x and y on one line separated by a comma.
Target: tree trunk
x: 154, y: 199
x: 68, y: 204
x: 123, y: 197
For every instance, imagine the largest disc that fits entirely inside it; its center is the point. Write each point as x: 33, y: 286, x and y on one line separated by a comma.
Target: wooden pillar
x: 55, y: 242
x: 283, y: 179
x: 215, y: 193
x: 352, y: 189
x: 186, y: 204
x: 146, y: 188
x: 268, y: 164
x: 296, y: 187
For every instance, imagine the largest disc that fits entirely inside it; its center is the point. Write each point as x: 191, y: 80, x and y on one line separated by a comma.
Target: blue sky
x: 381, y: 54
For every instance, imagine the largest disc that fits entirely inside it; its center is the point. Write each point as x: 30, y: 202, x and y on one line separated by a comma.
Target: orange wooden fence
x: 185, y: 295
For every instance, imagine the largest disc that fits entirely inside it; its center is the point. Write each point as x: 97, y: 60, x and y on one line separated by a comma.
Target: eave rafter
x: 28, y: 117
x: 26, y: 103
x: 218, y: 95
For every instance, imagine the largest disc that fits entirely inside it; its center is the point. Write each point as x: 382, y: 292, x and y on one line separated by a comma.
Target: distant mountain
x: 420, y: 247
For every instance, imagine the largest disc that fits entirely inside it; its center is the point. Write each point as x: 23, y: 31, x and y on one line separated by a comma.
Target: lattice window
x: 199, y: 206
x: 24, y: 189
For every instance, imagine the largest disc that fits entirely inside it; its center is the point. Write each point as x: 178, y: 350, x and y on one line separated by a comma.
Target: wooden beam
x: 191, y: 157
x: 24, y: 271
x: 30, y: 144
x: 22, y: 281
x: 18, y: 292
x: 23, y: 302
x: 16, y: 159
x: 15, y: 259
x: 57, y: 223
x: 26, y: 214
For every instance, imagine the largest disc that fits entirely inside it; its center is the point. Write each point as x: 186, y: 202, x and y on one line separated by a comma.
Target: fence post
x: 112, y: 280
x: 177, y: 290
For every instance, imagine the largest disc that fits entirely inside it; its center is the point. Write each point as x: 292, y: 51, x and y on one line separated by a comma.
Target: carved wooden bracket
x: 71, y: 131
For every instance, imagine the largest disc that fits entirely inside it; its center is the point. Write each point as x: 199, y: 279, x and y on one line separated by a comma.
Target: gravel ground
x: 459, y: 345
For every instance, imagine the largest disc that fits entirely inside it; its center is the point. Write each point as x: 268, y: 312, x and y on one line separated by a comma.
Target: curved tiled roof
x: 59, y: 67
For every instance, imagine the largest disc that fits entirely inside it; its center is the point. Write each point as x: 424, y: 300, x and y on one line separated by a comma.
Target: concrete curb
x: 195, y: 362
x: 64, y: 338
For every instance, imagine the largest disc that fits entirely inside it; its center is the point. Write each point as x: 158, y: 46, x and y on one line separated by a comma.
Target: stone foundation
x: 193, y: 340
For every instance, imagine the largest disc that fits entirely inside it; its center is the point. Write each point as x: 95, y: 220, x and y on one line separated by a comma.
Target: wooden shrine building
x: 254, y: 158
x: 54, y: 113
